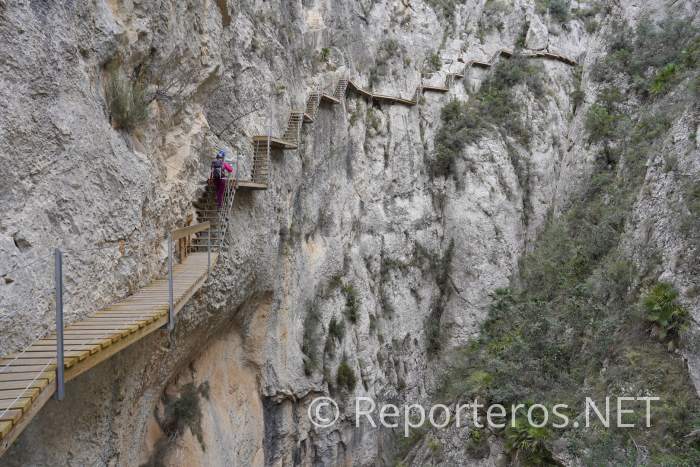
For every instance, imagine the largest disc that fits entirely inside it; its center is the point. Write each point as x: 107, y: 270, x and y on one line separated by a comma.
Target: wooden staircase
x: 263, y: 144
x: 293, y: 133
x: 312, y: 104
x: 340, y: 89
x: 261, y: 162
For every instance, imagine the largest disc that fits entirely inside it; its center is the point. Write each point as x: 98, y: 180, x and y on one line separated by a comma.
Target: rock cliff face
x: 357, y: 257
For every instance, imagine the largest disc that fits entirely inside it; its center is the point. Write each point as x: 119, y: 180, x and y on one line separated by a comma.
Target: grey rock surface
x: 355, y: 206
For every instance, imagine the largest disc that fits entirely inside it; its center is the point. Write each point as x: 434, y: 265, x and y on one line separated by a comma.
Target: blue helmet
x: 221, y: 154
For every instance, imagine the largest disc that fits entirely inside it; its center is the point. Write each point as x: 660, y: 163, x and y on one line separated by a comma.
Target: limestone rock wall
x: 353, y: 212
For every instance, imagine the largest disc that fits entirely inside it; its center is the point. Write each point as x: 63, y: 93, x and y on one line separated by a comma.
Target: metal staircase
x: 207, y: 211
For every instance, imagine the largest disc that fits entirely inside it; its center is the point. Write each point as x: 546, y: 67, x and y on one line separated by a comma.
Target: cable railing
x: 225, y: 212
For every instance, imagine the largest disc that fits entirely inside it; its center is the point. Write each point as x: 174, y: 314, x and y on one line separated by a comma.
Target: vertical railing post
x: 269, y: 129
x: 171, y: 308
x: 58, y: 280
x: 209, y: 250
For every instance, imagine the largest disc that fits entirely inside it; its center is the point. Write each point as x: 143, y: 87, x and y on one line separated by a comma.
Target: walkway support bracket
x: 58, y: 281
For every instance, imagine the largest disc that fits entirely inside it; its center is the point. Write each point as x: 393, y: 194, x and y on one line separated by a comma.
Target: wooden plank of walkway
x: 249, y: 185
x: 27, y: 379
x: 276, y: 142
x: 359, y: 90
x: 435, y: 88
x: 329, y: 98
x: 394, y: 99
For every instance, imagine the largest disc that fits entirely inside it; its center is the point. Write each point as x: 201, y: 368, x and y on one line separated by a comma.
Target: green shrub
x: 390, y: 47
x: 494, y: 106
x: 336, y: 332
x: 345, y: 377
x: 388, y: 50
x: 690, y: 220
x: 560, y: 10
x: 477, y: 444
x: 352, y: 303
x: 591, y: 25
x: 433, y: 62
x: 127, y: 100
x: 446, y: 8
x: 460, y: 126
x: 185, y: 411
x: 663, y: 310
x: 440, y: 269
x: 336, y: 329
x: 404, y: 444
x: 653, y: 56
x: 601, y: 124
x: 433, y: 336
x: 695, y: 87
x: 311, y: 338
x: 569, y: 327
x: 527, y: 443
x: 435, y: 447
x: 663, y: 79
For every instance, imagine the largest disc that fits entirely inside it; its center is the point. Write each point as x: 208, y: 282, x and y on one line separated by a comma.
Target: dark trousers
x: 220, y: 190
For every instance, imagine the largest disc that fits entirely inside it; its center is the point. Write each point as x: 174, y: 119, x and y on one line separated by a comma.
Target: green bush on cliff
x: 310, y: 339
x: 527, y: 443
x: 352, y: 303
x: 345, y: 377
x: 560, y: 10
x: 570, y: 325
x: 494, y: 106
x: 446, y: 8
x: 185, y: 411
x: 126, y: 100
x: 663, y: 310
x: 653, y: 56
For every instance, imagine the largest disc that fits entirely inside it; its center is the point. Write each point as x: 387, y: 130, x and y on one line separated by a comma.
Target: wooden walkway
x: 262, y: 144
x: 28, y: 379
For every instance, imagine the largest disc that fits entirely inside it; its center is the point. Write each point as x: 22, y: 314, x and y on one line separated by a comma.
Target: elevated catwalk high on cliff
x: 28, y: 378
x: 264, y: 144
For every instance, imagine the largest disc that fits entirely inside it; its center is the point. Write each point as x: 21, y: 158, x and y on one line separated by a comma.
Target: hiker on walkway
x: 219, y: 177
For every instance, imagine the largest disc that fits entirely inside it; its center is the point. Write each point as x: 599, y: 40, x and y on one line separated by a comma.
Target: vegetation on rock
x: 126, y: 100
x: 495, y: 106
x: 345, y: 377
x: 576, y: 321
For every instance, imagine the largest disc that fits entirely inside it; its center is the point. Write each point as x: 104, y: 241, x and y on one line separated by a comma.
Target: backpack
x: 217, y: 169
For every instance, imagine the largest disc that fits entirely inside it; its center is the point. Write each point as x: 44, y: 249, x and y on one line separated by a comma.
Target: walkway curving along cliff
x: 263, y: 144
x: 28, y: 379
